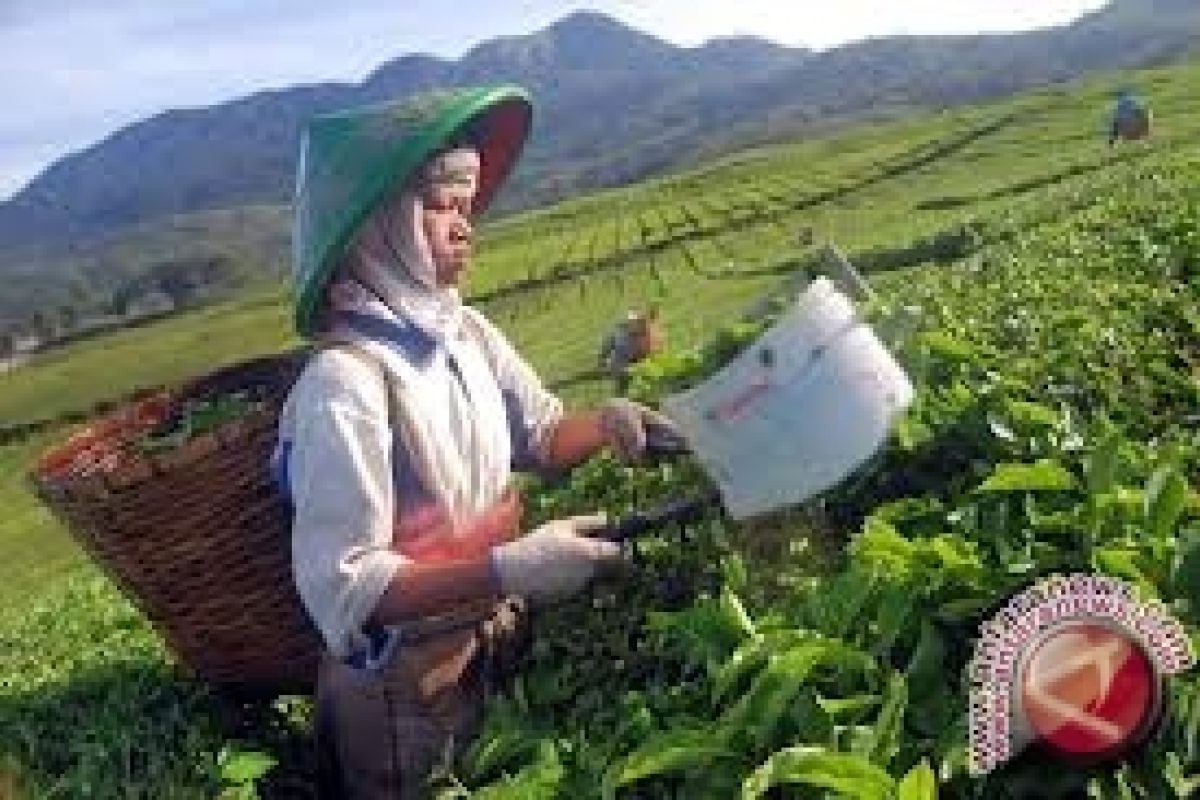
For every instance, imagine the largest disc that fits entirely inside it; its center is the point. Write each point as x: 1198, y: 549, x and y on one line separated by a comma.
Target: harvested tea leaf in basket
x: 196, y: 417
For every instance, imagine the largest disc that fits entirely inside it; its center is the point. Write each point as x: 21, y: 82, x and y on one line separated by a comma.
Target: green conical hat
x: 350, y: 161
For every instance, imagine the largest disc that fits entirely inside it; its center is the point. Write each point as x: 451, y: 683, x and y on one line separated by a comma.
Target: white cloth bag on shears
x: 799, y: 410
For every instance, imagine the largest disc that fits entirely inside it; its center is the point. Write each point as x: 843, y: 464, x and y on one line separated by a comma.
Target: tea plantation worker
x: 1131, y: 118
x: 399, y: 439
x: 633, y: 339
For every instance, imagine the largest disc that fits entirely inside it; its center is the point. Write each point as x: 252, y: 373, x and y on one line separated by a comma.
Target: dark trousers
x: 381, y: 733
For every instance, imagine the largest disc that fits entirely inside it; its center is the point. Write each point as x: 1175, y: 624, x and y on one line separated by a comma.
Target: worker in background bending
x: 633, y: 339
x: 1131, y: 119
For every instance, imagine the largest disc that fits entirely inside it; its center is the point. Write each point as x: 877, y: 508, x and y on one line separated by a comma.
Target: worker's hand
x: 554, y: 560
x: 624, y: 425
x: 429, y: 532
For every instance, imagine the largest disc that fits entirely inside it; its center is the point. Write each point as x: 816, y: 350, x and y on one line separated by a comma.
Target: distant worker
x: 633, y: 339
x: 1131, y: 119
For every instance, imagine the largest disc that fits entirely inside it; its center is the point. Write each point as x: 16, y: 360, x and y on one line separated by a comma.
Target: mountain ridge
x: 613, y: 104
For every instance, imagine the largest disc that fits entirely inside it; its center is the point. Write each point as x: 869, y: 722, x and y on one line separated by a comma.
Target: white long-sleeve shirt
x: 470, y: 409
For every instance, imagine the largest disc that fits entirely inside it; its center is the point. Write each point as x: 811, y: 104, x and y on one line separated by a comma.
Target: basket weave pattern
x: 198, y: 537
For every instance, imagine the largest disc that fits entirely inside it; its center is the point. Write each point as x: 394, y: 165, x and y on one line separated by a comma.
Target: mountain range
x: 613, y: 104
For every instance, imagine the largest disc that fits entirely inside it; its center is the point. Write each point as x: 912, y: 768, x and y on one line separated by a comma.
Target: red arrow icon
x: 1088, y: 690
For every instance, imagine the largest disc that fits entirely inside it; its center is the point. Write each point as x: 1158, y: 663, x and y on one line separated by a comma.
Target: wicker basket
x: 197, y: 536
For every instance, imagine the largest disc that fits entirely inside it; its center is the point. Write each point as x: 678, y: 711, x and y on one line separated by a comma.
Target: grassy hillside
x: 248, y: 244
x: 703, y: 244
x: 1040, y: 259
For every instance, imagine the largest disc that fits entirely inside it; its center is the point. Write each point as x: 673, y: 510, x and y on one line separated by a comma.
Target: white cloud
x: 76, y: 70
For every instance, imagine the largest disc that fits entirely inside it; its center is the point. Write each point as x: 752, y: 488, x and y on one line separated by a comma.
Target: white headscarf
x: 391, y: 257
x: 388, y: 274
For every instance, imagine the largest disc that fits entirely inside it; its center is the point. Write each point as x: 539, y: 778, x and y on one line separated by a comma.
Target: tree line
x: 169, y: 285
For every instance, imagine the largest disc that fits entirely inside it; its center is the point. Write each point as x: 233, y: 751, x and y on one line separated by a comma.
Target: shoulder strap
x: 473, y: 324
x: 415, y: 343
x: 399, y: 422
x: 363, y: 357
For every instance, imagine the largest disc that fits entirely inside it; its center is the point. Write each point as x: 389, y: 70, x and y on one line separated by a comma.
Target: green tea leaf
x: 758, y: 712
x: 710, y: 630
x: 919, y: 784
x: 1166, y: 498
x: 1031, y: 414
x: 240, y: 767
x: 927, y: 683
x: 746, y: 660
x: 1044, y: 476
x: 540, y: 779
x: 1102, y: 465
x: 848, y: 709
x: 736, y: 613
x: 884, y: 743
x: 880, y: 549
x: 1182, y: 784
x: 1122, y: 563
x: 1185, y: 572
x: 849, y: 776
x: 669, y: 751
x: 947, y: 347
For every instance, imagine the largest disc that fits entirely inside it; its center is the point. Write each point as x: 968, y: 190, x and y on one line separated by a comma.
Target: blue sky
x: 77, y: 70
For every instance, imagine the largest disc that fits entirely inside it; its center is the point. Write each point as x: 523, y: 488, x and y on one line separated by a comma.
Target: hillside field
x: 1058, y: 367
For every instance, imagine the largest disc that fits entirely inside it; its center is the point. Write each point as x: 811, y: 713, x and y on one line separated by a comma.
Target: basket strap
x: 409, y: 480
x: 364, y: 357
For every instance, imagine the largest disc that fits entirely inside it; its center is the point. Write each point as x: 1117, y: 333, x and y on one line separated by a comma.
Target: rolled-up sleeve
x: 339, y: 474
x: 533, y: 411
